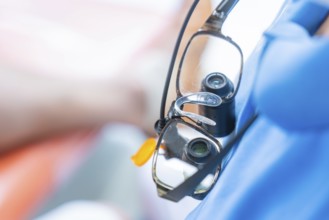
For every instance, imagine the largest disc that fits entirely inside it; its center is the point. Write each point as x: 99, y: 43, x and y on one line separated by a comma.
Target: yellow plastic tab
x: 145, y: 152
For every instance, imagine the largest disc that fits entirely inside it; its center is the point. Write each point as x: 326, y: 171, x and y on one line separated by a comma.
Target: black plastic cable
x: 173, y: 59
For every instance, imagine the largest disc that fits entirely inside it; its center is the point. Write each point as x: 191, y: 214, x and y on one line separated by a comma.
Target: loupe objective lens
x: 198, y: 149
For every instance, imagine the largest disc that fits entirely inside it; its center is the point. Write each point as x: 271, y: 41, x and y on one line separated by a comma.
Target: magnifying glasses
x: 188, y: 155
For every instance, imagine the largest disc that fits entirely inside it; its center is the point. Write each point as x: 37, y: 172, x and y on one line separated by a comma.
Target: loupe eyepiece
x: 223, y: 115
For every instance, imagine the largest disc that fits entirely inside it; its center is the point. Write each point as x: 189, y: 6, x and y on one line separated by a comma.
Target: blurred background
x: 93, y: 39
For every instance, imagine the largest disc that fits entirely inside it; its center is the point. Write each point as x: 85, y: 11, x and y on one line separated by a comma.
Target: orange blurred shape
x: 29, y: 174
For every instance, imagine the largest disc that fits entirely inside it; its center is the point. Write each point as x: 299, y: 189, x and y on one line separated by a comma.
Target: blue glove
x: 292, y: 85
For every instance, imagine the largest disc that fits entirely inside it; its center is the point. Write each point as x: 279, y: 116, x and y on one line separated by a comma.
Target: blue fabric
x: 279, y: 170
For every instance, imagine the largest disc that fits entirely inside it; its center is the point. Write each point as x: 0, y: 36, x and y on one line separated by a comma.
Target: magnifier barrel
x: 223, y: 115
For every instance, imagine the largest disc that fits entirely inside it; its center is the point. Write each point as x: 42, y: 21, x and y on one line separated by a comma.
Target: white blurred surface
x: 79, y: 39
x: 82, y: 210
x: 248, y: 20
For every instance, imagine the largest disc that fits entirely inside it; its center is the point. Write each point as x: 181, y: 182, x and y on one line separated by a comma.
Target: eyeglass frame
x: 212, y: 26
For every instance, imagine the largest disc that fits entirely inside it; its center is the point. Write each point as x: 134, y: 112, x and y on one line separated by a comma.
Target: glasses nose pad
x: 199, y: 98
